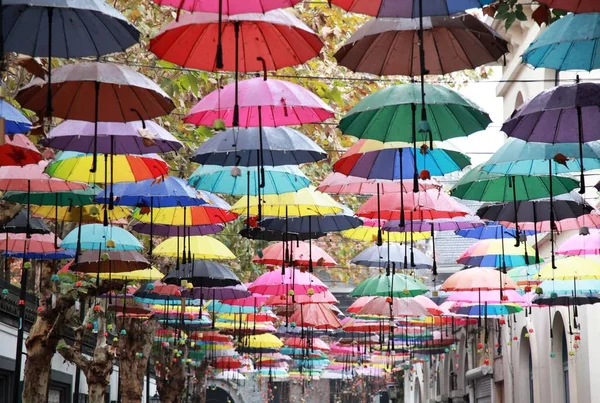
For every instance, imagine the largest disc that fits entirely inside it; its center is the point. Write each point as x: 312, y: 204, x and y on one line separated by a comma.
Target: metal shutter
x: 483, y: 390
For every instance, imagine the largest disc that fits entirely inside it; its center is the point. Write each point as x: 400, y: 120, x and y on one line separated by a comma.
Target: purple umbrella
x: 217, y: 293
x: 564, y: 114
x: 138, y: 137
x: 172, y: 230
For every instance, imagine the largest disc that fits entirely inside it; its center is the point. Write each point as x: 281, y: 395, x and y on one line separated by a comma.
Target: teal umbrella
x: 396, y: 285
x: 518, y: 157
x: 388, y: 115
x: 235, y: 181
x: 99, y: 237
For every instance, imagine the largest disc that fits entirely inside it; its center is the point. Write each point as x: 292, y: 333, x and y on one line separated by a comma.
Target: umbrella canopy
x: 254, y: 300
x: 200, y: 247
x: 379, y: 256
x: 151, y: 274
x: 260, y: 234
x: 219, y: 179
x: 482, y: 186
x: 279, y: 103
x: 385, y: 164
x: 490, y: 297
x: 524, y: 275
x: 229, y: 375
x: 318, y: 316
x: 497, y: 253
x: 80, y: 214
x: 100, y: 237
x: 22, y: 223
x: 386, y: 115
x: 74, y: 166
x: 338, y: 183
x: 238, y: 146
x: 66, y: 31
x: 18, y: 150
x: 139, y: 137
x: 228, y: 7
x: 380, y: 306
x: 217, y: 293
x: 578, y: 6
x: 571, y: 268
x: 14, y: 121
x: 408, y: 8
x: 110, y: 262
x: 442, y: 224
x: 124, y: 95
x: 31, y: 178
x: 299, y: 254
x: 567, y: 45
x: 278, y: 283
x: 370, y: 232
x: 478, y: 278
x: 397, y: 285
x: 570, y: 287
x: 492, y: 230
x: 277, y: 37
x: 207, y: 214
x: 450, y: 44
x: 304, y: 202
x: 313, y: 224
x: 76, y: 197
x: 314, y: 343
x: 203, y: 273
x: 578, y: 245
x: 34, y: 246
x: 168, y: 231
x: 324, y: 297
x: 487, y: 309
x: 263, y: 341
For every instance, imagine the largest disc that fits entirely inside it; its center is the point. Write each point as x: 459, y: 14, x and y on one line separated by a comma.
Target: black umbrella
x: 313, y: 225
x: 203, y: 273
x: 23, y: 223
x: 261, y: 234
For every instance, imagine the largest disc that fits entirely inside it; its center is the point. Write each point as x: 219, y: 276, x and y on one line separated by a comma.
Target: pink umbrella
x: 432, y: 307
x: 358, y: 304
x: 591, y: 220
x: 255, y: 300
x: 478, y: 278
x: 228, y: 7
x: 279, y: 103
x: 578, y: 245
x: 319, y: 298
x: 315, y: 344
x: 33, y: 179
x: 276, y: 283
x: 35, y: 244
x: 18, y: 150
x: 338, y: 183
x: 387, y: 306
x: 318, y: 316
x: 300, y: 255
x: 491, y: 297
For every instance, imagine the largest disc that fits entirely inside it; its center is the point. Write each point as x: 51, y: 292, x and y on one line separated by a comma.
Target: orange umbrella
x: 479, y: 279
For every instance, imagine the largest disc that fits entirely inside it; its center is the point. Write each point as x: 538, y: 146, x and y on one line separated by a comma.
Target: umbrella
x: 207, y: 214
x: 318, y: 316
x: 385, y: 164
x: 338, y: 183
x: 524, y: 275
x: 277, y: 282
x: 571, y: 268
x: 99, y: 237
x: 203, y: 273
x: 34, y: 246
x: 231, y: 293
x: 492, y: 230
x: 370, y: 233
x: 304, y: 202
x: 110, y: 262
x: 478, y: 278
x: 578, y: 245
x: 386, y: 115
x: 219, y: 179
x: 254, y: 300
x: 135, y: 137
x: 448, y: 45
x: 442, y: 224
x: 239, y: 146
x: 397, y: 285
x: 18, y: 150
x: 297, y: 253
x: 258, y: 233
x: 313, y: 224
x: 578, y: 6
x: 278, y: 37
x: 168, y: 231
x: 497, y: 253
x: 228, y: 7
x: 382, y: 256
x: 230, y: 375
x: 32, y: 179
x: 489, y: 297
x: 151, y: 274
x: 66, y: 198
x: 566, y: 300
x: 324, y: 297
x: 570, y: 287
x: 488, y: 309
x: 200, y: 247
x: 80, y: 214
x: 567, y: 45
x: 479, y: 185
x: 315, y: 343
x: 408, y: 8
x: 14, y: 121
x: 22, y: 223
x: 381, y: 306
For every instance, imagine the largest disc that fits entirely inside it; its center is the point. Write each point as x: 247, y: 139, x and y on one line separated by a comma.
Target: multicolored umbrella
x: 14, y: 121
x: 207, y: 214
x: 370, y: 233
x: 497, y: 253
x: 32, y: 179
x: 571, y: 268
x: 18, y: 150
x: 394, y: 307
x: 32, y: 246
x: 491, y: 230
x: 408, y: 8
x: 449, y: 45
x: 93, y: 213
x: 478, y: 278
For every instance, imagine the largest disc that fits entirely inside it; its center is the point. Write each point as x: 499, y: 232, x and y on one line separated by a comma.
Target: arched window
x: 560, y: 360
x: 525, y: 361
x: 519, y: 100
x: 452, y: 377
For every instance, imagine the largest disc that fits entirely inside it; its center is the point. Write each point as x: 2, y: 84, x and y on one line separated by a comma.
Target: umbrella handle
x: 264, y: 66
x: 219, y: 56
x: 49, y: 108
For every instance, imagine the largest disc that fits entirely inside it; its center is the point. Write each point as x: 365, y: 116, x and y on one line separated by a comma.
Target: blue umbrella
x: 219, y: 179
x: 219, y: 307
x: 390, y: 164
x: 568, y: 287
x: 99, y: 237
x: 571, y: 43
x: 492, y: 230
x: 488, y: 309
x: 497, y: 261
x: 14, y: 121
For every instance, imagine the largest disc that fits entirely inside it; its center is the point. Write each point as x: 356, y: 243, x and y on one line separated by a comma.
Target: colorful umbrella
x: 578, y: 245
x: 18, y: 150
x: 370, y: 233
x: 488, y: 309
x: 200, y: 247
x: 187, y: 216
x: 31, y: 178
x: 408, y: 8
x: 80, y: 214
x: 168, y: 231
x: 570, y: 287
x: 217, y: 293
x: 76, y: 197
x: 492, y: 230
x: 449, y: 45
x: 32, y: 246
x: 14, y: 121
x: 525, y: 275
x: 571, y: 268
x: 489, y: 296
x: 397, y: 285
x: 324, y: 297
x: 382, y: 306
x: 228, y: 7
x: 338, y: 183
x: 219, y: 179
x: 478, y: 278
x: 313, y: 224
x: 151, y: 274
x: 297, y: 253
x: 497, y: 253
x: 293, y: 281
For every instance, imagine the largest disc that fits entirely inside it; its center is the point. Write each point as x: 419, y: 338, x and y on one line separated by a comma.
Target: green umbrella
x: 482, y: 186
x: 79, y: 197
x: 396, y: 285
x: 387, y: 115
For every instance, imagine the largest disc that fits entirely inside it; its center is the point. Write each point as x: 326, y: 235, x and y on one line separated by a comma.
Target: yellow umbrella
x: 570, y: 268
x: 266, y: 340
x: 91, y: 214
x: 136, y: 275
x: 367, y: 233
x: 305, y: 202
x: 178, y: 216
x: 200, y: 247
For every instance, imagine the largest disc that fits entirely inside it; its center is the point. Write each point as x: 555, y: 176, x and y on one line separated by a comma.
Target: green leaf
x: 509, y: 21
x: 521, y: 15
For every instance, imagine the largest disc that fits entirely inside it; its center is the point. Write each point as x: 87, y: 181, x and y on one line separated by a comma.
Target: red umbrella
x: 318, y: 316
x: 299, y: 255
x: 226, y: 363
x: 18, y: 150
x: 255, y: 300
x: 367, y: 326
x: 34, y: 244
x: 33, y: 179
x: 315, y: 343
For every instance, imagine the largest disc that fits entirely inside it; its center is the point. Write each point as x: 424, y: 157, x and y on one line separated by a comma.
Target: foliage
x: 510, y: 11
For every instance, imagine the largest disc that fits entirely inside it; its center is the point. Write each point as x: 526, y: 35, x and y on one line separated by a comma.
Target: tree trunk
x: 139, y: 337
x: 201, y: 377
x: 170, y: 383
x: 96, y: 392
x: 42, y: 341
